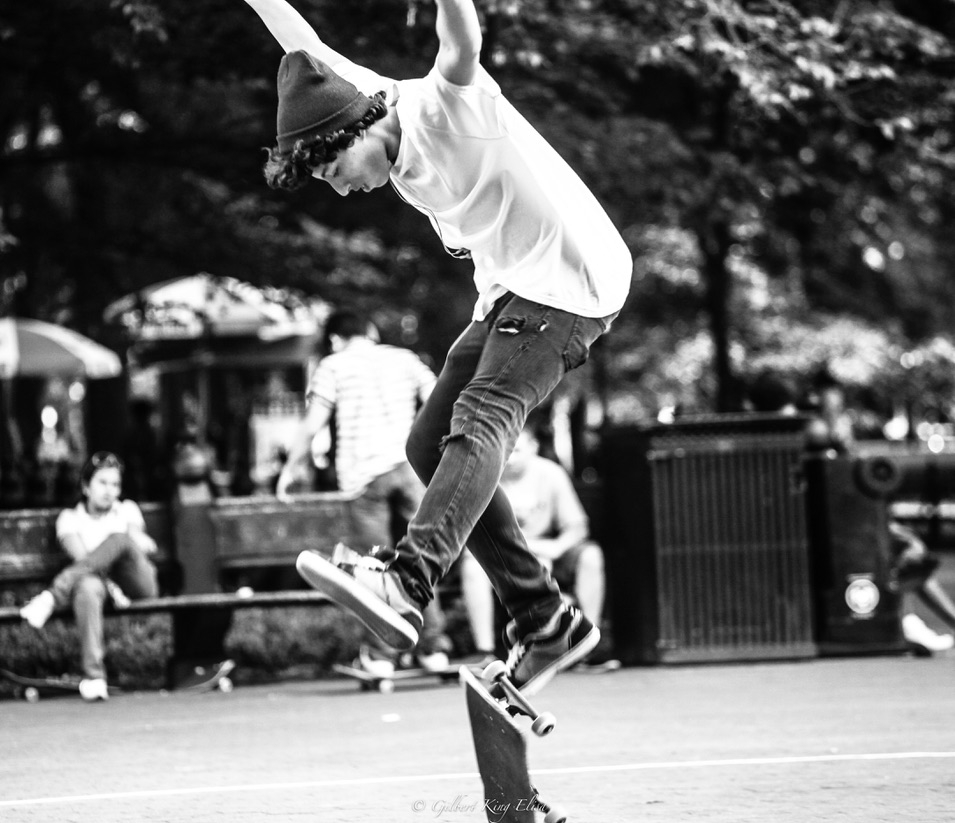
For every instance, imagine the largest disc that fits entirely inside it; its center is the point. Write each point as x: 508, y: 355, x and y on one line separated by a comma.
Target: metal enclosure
x: 711, y: 557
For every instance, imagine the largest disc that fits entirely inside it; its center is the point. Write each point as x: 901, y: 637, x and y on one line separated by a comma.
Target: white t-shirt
x: 94, y: 530
x: 494, y: 188
x: 543, y: 498
x: 375, y: 390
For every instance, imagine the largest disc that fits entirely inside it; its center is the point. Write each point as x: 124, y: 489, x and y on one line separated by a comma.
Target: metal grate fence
x: 721, y: 568
x: 731, y: 544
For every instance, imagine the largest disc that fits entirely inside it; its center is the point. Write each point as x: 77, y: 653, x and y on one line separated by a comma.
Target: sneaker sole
x: 347, y: 592
x: 571, y: 658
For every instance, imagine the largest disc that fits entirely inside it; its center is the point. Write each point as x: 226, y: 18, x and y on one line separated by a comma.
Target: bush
x: 265, y: 644
x: 136, y: 649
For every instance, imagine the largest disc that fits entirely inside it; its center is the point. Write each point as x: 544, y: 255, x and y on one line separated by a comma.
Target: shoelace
x: 514, y: 657
x: 348, y: 559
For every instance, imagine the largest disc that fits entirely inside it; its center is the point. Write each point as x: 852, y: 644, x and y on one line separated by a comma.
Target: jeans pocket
x: 585, y: 331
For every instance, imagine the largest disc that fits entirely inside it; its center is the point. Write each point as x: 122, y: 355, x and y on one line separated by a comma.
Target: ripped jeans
x: 496, y: 372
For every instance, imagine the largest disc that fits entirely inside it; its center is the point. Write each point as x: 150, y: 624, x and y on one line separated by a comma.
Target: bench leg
x: 198, y: 641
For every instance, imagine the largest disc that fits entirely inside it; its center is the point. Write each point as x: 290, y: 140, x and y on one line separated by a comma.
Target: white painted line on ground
x: 750, y: 761
x: 423, y: 778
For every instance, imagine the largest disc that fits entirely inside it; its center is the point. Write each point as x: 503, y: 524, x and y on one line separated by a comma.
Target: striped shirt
x: 375, y: 391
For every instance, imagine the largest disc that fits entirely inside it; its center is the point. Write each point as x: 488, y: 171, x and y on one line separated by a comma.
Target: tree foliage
x: 800, y: 145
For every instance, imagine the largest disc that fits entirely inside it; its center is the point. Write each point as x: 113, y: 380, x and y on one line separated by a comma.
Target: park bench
x: 206, y: 553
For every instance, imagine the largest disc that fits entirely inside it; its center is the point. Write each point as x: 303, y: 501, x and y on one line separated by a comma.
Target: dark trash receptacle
x: 857, y: 598
x: 707, y: 546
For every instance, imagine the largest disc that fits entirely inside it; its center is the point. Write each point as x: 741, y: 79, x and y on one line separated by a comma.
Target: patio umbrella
x: 32, y: 348
x: 206, y: 306
x: 203, y: 320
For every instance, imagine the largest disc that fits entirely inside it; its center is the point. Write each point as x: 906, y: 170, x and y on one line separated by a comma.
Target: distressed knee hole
x: 450, y: 438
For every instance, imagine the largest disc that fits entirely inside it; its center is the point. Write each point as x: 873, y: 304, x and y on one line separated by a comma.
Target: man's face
x: 525, y: 449
x: 363, y: 166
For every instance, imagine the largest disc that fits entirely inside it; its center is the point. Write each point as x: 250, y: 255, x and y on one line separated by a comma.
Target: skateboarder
x: 551, y: 274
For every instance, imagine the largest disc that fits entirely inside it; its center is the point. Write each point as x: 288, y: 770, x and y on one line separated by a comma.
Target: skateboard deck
x: 32, y: 689
x: 386, y: 685
x: 501, y: 752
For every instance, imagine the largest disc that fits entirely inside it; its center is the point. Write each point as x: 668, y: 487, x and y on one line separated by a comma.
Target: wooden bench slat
x: 224, y: 600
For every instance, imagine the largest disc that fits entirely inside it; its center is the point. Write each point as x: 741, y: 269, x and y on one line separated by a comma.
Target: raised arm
x: 293, y: 32
x: 459, y: 39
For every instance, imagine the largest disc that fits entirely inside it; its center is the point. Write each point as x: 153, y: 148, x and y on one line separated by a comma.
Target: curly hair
x: 293, y: 169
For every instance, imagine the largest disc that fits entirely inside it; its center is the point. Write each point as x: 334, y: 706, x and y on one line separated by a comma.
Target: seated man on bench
x: 554, y: 522
x: 107, y: 541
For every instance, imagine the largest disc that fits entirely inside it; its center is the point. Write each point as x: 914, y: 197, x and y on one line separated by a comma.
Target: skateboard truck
x: 543, y: 722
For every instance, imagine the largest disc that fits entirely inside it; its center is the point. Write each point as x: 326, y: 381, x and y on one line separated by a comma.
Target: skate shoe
x: 375, y: 663
x: 433, y: 662
x: 923, y: 638
x: 39, y: 609
x: 117, y: 595
x: 93, y: 689
x: 535, y: 658
x: 367, y: 588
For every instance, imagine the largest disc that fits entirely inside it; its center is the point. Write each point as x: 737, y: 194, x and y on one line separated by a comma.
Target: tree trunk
x: 715, y: 240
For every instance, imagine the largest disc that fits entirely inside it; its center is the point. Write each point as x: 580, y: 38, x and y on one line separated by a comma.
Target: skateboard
x: 501, y: 748
x: 207, y: 678
x: 32, y: 689
x: 386, y: 685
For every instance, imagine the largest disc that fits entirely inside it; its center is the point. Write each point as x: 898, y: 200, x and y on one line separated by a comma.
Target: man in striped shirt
x: 374, y: 392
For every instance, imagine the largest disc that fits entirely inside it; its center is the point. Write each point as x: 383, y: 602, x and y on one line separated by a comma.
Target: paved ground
x: 847, y: 740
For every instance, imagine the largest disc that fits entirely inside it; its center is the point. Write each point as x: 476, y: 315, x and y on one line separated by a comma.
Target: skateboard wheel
x: 556, y: 815
x: 226, y: 685
x: 543, y: 724
x: 31, y: 694
x: 386, y: 686
x: 494, y: 671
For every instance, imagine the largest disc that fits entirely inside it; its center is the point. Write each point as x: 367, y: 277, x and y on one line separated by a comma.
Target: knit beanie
x: 314, y: 100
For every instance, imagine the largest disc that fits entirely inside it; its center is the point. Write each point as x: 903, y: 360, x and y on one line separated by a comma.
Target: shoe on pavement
x: 607, y: 664
x: 918, y: 634
x: 374, y: 663
x: 534, y: 659
x: 433, y: 662
x: 478, y: 661
x: 369, y: 589
x: 94, y: 688
x: 39, y: 609
x: 601, y: 659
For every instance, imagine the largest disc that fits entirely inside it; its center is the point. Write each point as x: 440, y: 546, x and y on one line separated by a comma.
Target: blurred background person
x: 373, y: 391
x: 556, y: 527
x: 106, y: 539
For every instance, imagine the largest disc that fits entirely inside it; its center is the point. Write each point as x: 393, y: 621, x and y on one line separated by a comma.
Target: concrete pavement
x: 854, y: 740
